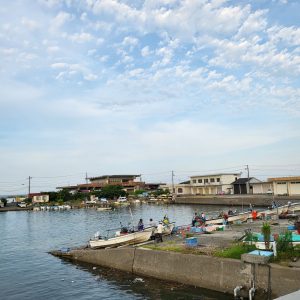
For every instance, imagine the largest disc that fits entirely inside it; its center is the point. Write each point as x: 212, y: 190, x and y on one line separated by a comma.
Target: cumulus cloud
x: 60, y: 19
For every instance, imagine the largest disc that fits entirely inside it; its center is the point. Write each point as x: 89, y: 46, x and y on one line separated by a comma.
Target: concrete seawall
x: 236, y: 200
x: 213, y: 273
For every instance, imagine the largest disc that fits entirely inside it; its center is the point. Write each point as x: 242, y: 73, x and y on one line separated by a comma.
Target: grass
x: 174, y: 247
x: 235, y: 251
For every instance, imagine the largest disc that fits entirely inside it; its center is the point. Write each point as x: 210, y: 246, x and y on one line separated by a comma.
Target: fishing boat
x: 104, y: 208
x: 294, y: 207
x: 123, y: 239
x: 167, y: 229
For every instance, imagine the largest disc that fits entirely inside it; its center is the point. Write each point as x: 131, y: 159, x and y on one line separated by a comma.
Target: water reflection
x: 141, y: 287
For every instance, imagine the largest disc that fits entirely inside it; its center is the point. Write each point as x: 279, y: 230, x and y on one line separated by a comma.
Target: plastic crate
x: 191, y: 242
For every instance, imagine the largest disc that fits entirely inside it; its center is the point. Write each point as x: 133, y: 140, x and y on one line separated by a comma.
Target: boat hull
x: 126, y: 239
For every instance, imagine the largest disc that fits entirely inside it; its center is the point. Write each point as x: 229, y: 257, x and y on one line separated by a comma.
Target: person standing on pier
x: 158, y: 235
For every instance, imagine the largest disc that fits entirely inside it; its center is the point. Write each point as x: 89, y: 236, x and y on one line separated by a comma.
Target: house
x: 39, y: 198
x: 212, y: 184
x: 289, y: 186
x: 244, y: 185
x: 128, y: 182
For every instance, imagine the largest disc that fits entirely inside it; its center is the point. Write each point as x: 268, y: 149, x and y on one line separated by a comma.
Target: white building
x: 212, y: 184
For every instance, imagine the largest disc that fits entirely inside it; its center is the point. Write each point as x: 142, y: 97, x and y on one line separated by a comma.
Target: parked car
x: 103, y: 200
x: 122, y: 199
x: 22, y: 204
x: 269, y: 192
x: 90, y: 202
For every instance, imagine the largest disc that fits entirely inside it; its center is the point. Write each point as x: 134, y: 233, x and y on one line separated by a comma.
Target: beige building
x: 39, y: 198
x: 264, y: 187
x: 289, y: 186
x: 213, y: 184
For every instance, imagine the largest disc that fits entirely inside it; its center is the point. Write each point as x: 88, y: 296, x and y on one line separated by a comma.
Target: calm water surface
x: 27, y: 271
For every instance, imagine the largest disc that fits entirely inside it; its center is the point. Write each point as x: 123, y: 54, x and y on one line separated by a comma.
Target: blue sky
x: 146, y: 87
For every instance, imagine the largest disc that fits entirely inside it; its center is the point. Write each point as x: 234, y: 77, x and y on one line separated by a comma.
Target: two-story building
x: 211, y: 184
x: 129, y: 183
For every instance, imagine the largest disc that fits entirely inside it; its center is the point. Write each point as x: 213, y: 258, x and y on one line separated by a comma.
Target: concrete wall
x: 203, y: 271
x: 257, y: 200
x: 121, y: 259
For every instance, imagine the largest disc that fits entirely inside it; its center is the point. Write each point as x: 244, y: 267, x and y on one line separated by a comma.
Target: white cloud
x: 145, y: 51
x: 30, y: 24
x: 90, y: 77
x: 61, y: 18
x: 82, y: 37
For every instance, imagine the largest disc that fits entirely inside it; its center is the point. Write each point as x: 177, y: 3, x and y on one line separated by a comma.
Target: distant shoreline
x: 14, y: 208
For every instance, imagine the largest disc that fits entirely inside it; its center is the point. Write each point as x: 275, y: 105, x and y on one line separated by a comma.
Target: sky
x: 146, y: 87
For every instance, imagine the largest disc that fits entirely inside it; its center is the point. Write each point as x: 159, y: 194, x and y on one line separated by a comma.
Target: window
x: 281, y: 182
x: 212, y: 180
x: 295, y: 182
x: 218, y: 179
x: 180, y: 191
x: 205, y: 180
x: 194, y: 181
x: 199, y: 180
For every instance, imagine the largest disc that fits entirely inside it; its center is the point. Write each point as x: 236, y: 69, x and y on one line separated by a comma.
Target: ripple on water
x: 27, y: 271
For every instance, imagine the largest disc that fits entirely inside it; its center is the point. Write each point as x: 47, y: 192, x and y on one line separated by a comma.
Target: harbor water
x: 27, y: 271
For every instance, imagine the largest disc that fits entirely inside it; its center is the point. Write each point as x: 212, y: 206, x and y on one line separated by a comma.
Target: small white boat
x: 248, y: 215
x: 104, y: 208
x: 124, y: 239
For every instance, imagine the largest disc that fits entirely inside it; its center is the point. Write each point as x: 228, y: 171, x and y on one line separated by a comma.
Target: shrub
x: 235, y: 251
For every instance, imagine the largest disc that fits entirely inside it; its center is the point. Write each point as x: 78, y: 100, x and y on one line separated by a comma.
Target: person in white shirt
x: 159, y: 232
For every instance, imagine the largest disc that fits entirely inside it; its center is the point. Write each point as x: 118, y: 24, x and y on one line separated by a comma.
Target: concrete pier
x: 213, y: 273
x: 235, y: 200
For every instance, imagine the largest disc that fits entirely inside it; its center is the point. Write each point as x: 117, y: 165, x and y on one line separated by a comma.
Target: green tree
x: 112, y: 192
x: 4, y: 201
x: 64, y: 195
x: 138, y: 192
x: 161, y: 192
x: 266, y: 232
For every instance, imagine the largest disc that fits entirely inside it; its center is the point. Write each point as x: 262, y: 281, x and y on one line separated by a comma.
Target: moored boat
x: 123, y: 239
x: 104, y: 208
x: 295, y: 207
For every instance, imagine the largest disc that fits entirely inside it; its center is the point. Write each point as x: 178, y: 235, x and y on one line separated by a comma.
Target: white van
x: 122, y: 199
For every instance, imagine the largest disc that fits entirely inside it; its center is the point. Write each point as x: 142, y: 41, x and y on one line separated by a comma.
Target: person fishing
x: 203, y: 218
x: 195, y: 218
x: 140, y: 225
x: 159, y: 231
x: 166, y: 220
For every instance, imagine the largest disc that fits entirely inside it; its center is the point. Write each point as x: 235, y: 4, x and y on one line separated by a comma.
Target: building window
x: 180, y: 191
x: 205, y: 180
x: 218, y: 179
x: 194, y: 181
x: 281, y: 182
x: 295, y: 182
x: 212, y: 180
x: 199, y: 180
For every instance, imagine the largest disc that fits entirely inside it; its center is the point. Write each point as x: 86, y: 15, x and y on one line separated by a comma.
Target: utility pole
x: 248, y: 183
x: 86, y: 178
x: 29, y: 179
x: 173, y: 189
